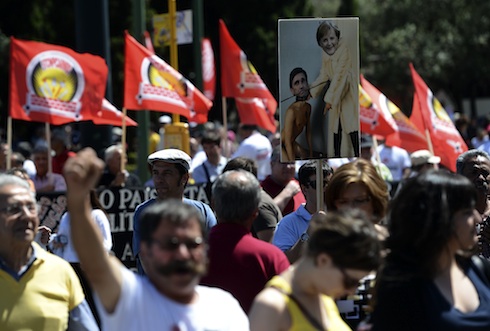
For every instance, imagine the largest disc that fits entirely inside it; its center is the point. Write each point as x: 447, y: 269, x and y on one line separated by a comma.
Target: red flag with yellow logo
x: 239, y: 79
x: 152, y: 84
x: 54, y: 84
x: 429, y: 115
x: 375, y: 117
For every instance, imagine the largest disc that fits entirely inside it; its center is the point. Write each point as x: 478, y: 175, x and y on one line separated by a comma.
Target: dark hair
x: 348, y: 237
x: 420, y: 218
x: 248, y: 127
x: 173, y: 211
x: 210, y: 137
x: 236, y: 196
x: 323, y: 29
x: 242, y: 163
x: 40, y: 149
x: 309, y: 168
x: 293, y: 73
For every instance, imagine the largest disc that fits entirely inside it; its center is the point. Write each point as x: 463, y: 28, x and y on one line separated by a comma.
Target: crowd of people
x: 405, y: 253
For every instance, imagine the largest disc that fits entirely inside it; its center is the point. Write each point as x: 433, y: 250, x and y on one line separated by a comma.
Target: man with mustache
x: 38, y: 290
x: 173, y: 252
x: 475, y: 165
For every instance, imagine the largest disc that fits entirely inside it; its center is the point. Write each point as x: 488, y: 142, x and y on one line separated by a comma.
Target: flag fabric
x: 110, y: 115
x: 151, y: 83
x: 239, y: 79
x: 54, y: 84
x: 429, y: 115
x: 208, y: 69
x: 375, y: 117
x: 405, y: 134
x: 254, y: 111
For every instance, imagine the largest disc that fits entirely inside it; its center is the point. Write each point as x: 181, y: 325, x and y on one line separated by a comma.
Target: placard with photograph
x: 319, y: 88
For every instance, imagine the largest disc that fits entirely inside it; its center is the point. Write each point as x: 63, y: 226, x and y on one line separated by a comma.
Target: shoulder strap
x: 206, y: 171
x: 313, y: 321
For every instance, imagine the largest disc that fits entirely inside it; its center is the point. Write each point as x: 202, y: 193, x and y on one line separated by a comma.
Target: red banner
x: 208, y: 69
x: 375, y: 116
x: 151, y: 84
x: 110, y: 115
x: 54, y: 84
x: 254, y: 111
x: 429, y: 115
x: 239, y: 79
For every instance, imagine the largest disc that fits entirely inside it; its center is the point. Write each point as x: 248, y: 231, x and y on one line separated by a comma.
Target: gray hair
x: 111, y: 150
x: 236, y: 196
x: 6, y: 180
x: 468, y: 155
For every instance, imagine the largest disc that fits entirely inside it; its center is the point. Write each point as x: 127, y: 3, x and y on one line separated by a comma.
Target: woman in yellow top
x: 341, y: 248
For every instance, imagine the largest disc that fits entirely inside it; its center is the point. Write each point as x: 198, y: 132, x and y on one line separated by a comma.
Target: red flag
x: 375, y: 119
x: 54, y: 84
x: 255, y: 111
x: 406, y: 135
x: 208, y: 69
x: 239, y: 79
x: 110, y: 115
x: 150, y: 83
x: 428, y: 114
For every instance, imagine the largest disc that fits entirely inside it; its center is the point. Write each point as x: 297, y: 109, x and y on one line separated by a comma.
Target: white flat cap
x: 171, y: 155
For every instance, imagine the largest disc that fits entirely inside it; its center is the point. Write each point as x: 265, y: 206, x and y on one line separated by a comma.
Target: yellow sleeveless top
x: 298, y: 321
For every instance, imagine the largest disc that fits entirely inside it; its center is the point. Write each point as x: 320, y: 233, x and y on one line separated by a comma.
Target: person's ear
x: 184, y: 179
x: 324, y: 260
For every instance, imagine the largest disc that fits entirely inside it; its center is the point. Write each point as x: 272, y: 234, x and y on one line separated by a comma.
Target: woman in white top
x: 62, y: 245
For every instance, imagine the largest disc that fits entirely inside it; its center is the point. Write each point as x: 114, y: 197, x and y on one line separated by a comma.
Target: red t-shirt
x: 58, y: 161
x: 271, y: 187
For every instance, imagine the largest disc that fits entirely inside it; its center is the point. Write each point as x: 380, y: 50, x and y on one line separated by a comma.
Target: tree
x: 446, y: 40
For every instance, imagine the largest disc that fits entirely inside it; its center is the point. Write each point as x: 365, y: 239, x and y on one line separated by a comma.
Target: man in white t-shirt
x: 396, y: 159
x: 173, y: 254
x: 255, y: 146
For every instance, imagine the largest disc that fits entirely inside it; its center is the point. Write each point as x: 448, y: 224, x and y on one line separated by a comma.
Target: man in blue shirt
x: 169, y: 170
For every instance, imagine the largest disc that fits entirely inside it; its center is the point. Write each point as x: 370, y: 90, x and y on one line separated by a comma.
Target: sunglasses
x: 312, y: 184
x: 349, y: 281
x: 174, y: 243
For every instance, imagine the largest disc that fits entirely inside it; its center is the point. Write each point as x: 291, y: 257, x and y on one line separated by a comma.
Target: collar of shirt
x: 18, y: 275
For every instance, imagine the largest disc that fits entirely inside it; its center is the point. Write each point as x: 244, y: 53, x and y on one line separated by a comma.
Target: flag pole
x: 9, y: 142
x: 174, y: 58
x: 123, y: 138
x: 47, y: 129
x: 320, y: 202
x: 429, y: 141
x: 225, y: 126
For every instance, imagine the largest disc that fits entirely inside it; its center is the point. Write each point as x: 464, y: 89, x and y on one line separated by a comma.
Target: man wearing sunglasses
x: 173, y: 252
x: 291, y: 231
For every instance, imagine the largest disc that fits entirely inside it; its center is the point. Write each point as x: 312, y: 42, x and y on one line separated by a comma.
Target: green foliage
x: 446, y: 40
